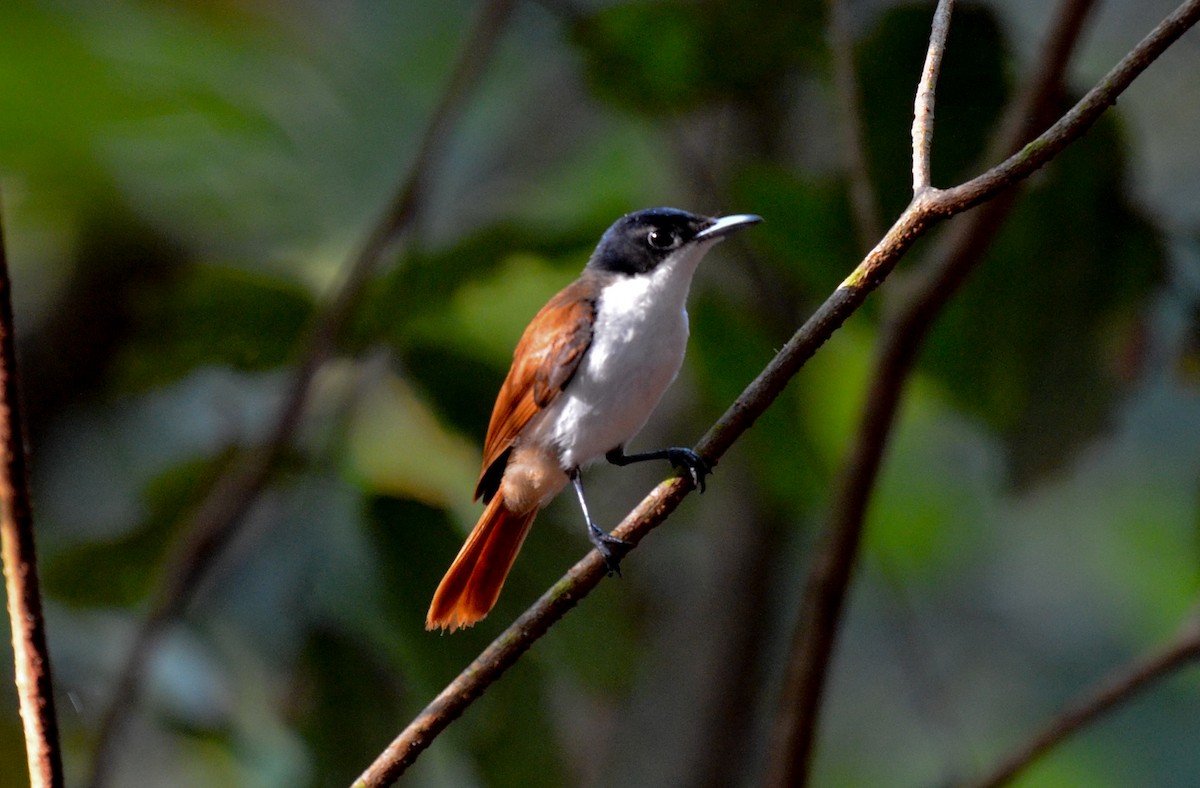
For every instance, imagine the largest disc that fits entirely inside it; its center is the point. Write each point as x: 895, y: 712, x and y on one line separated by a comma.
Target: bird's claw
x: 697, y: 467
x: 611, y: 548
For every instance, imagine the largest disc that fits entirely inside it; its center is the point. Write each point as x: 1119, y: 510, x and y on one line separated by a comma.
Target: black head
x: 638, y: 242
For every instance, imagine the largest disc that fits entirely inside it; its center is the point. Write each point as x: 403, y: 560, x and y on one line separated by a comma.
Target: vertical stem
x: 922, y: 128
x: 31, y: 659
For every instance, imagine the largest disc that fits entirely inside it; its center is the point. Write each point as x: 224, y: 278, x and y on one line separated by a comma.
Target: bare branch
x: 847, y: 100
x: 922, y: 128
x: 836, y: 554
x: 1121, y: 687
x: 1070, y: 126
x: 31, y: 657
x: 217, y: 518
x: 927, y: 209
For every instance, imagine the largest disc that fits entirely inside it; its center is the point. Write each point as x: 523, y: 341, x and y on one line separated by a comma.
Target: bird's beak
x: 726, y: 225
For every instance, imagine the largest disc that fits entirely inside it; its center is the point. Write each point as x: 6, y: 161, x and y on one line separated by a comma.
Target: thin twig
x: 31, y: 657
x: 1120, y: 687
x: 833, y: 567
x: 217, y: 518
x: 1068, y: 128
x: 922, y: 127
x: 847, y: 101
x: 925, y: 211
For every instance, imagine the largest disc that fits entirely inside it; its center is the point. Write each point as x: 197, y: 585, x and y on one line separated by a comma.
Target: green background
x: 182, y: 184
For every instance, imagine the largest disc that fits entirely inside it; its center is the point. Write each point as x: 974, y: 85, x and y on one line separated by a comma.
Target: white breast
x: 637, y: 349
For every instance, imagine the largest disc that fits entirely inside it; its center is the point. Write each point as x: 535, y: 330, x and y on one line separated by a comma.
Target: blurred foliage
x: 182, y: 183
x: 130, y: 561
x: 206, y: 316
x: 655, y: 58
x: 1077, y: 216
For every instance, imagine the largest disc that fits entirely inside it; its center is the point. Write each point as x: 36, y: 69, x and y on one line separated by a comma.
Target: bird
x: 586, y: 374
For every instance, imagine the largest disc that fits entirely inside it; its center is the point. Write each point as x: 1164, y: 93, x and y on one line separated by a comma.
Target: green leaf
x: 396, y: 445
x: 460, y: 385
x: 646, y: 56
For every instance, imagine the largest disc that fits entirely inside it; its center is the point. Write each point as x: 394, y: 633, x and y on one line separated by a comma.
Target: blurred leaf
x: 832, y: 389
x: 729, y: 350
x: 454, y: 316
x: 120, y: 572
x: 459, y: 385
x: 939, y: 484
x: 1187, y: 362
x: 1028, y: 344
x: 420, y: 284
x: 54, y: 92
x: 73, y: 350
x: 970, y: 94
x: 488, y: 315
x: 69, y: 82
x: 647, y: 57
x: 809, y: 225
x: 657, y: 58
x: 512, y: 737
x: 211, y: 315
x: 12, y: 739
x: 396, y: 446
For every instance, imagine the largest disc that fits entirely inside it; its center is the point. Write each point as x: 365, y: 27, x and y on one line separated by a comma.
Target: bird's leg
x: 612, y: 548
x: 697, y: 467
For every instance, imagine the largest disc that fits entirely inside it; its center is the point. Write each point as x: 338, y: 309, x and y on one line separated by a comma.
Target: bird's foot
x: 611, y: 548
x: 696, y: 466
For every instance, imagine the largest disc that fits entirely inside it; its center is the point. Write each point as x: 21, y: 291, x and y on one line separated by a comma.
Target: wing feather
x: 544, y: 362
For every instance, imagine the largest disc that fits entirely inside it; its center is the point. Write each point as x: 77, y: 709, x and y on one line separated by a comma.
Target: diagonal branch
x: 217, y: 518
x: 833, y: 567
x: 31, y: 656
x: 1122, y: 686
x: 922, y: 127
x: 926, y: 210
x: 1070, y: 126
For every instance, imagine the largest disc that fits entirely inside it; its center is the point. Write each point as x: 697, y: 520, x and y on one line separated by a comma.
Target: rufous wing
x: 544, y: 362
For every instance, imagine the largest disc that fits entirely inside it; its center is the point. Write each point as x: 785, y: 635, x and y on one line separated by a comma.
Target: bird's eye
x: 662, y: 239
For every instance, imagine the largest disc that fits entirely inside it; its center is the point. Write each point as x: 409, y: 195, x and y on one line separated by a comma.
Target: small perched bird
x: 585, y: 377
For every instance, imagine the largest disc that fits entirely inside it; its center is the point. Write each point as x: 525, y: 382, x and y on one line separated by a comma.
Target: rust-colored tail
x: 473, y: 581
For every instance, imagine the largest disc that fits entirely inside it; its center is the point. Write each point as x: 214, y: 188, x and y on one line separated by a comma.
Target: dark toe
x: 697, y: 466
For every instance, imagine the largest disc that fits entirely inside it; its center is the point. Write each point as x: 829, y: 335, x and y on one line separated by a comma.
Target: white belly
x: 637, y: 349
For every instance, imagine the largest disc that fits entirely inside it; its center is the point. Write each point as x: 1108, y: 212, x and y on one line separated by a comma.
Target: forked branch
x: 829, y: 578
x: 927, y: 209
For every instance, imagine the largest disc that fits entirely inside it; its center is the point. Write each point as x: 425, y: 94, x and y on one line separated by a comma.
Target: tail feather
x: 473, y: 582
